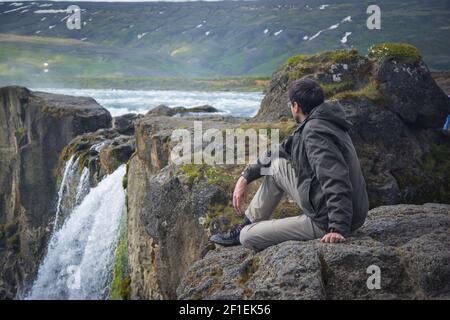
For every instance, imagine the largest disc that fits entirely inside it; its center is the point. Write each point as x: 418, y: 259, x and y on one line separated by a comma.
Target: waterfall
x: 83, y: 186
x: 78, y: 263
x: 69, y: 170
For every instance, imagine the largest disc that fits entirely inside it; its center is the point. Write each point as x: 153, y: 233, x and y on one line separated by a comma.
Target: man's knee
x: 250, y: 238
x: 247, y: 238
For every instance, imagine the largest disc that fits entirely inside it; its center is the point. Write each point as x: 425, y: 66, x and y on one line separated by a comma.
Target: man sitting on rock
x: 317, y: 167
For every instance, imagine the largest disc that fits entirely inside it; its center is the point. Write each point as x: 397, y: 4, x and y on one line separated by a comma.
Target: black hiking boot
x: 232, y: 237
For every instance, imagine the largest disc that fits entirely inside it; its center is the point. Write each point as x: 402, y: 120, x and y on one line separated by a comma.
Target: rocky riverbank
x: 396, y: 109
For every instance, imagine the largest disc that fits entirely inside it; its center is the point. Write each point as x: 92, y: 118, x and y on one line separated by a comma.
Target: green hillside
x: 133, y: 41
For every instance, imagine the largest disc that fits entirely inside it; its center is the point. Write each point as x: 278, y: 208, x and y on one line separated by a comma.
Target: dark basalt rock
x: 408, y: 243
x: 163, y: 110
x: 124, y: 124
x: 412, y: 93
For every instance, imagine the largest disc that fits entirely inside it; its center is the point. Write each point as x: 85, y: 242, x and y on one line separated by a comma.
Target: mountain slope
x: 203, y: 39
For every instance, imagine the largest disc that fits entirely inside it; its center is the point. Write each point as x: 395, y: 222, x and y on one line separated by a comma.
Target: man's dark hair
x: 307, y: 93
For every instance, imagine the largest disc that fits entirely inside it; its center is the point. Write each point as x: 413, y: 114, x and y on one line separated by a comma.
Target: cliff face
x: 397, y: 111
x: 166, y: 210
x: 34, y: 128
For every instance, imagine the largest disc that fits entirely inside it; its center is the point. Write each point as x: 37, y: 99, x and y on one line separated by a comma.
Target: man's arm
x: 253, y: 171
x: 330, y: 168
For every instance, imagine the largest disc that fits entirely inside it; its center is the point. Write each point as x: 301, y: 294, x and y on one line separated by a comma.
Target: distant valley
x: 231, y: 45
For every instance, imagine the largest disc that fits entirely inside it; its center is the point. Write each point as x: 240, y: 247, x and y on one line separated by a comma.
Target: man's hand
x: 332, y: 237
x: 239, y: 194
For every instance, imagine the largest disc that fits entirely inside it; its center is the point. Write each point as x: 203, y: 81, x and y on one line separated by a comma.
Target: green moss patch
x: 331, y: 89
x: 320, y: 64
x: 214, y: 175
x: 21, y: 131
x: 370, y: 91
x: 120, y: 287
x: 297, y: 59
x: 336, y: 56
x: 342, y: 56
x: 216, y: 211
x: 432, y: 184
x: 437, y: 161
x: 401, y: 51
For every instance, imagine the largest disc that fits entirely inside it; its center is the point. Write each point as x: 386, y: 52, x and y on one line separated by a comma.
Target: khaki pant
x: 263, y: 232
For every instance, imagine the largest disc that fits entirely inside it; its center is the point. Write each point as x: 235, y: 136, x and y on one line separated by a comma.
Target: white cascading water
x: 80, y: 255
x: 83, y: 186
x: 69, y: 171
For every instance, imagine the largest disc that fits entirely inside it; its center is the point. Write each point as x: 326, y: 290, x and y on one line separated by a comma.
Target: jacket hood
x: 330, y: 111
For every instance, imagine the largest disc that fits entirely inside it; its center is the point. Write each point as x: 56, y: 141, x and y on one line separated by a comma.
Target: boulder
x: 34, y: 128
x: 163, y: 110
x: 397, y: 111
x: 408, y: 244
x: 124, y: 124
x: 199, y: 109
x: 389, y: 75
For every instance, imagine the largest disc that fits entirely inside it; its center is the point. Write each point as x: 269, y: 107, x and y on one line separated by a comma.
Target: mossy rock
x: 369, y: 91
x: 120, y: 286
x: 348, y: 64
x: 342, y: 56
x: 303, y: 65
x: 337, y: 56
x: 432, y: 183
x: 400, y: 51
x: 214, y: 175
x: 13, y: 242
x: 21, y: 131
x: 297, y: 59
x: 331, y: 89
x: 125, y: 182
x: 437, y: 161
x: 221, y: 217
